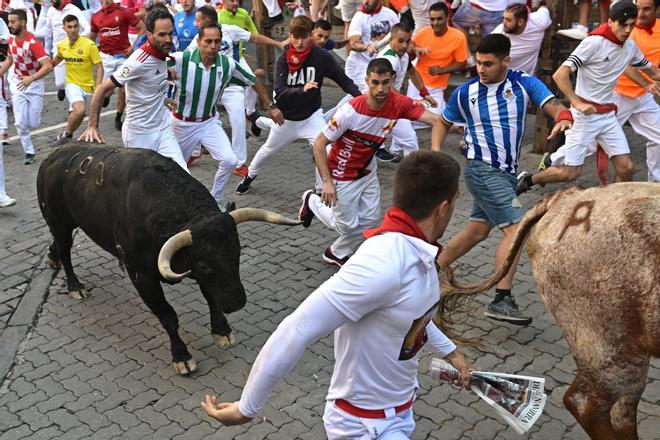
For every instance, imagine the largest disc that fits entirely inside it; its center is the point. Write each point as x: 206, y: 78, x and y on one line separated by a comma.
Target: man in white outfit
x: 5, y: 98
x: 144, y: 74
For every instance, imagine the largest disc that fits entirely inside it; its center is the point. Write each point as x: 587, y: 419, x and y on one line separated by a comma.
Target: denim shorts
x: 494, y: 193
x: 469, y: 15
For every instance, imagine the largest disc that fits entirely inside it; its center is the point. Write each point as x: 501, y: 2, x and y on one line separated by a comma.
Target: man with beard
x: 145, y: 76
x: 31, y: 64
x: 526, y: 32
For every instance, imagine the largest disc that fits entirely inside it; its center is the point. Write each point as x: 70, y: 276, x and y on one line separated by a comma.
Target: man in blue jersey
x: 492, y: 108
x: 184, y: 24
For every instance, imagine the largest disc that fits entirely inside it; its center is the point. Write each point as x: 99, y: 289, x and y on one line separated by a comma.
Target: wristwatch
x: 272, y: 105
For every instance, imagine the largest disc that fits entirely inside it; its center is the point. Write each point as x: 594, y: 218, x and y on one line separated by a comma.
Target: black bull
x: 160, y: 223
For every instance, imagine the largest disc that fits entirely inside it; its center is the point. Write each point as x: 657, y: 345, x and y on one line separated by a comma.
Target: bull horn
x: 172, y: 246
x: 261, y: 215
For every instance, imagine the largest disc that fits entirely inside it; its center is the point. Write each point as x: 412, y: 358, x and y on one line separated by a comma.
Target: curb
x: 24, y: 316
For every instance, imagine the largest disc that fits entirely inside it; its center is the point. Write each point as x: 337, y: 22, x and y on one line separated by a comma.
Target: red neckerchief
x: 148, y: 48
x: 605, y: 31
x: 375, y: 11
x: 397, y: 220
x: 649, y: 29
x: 295, y: 59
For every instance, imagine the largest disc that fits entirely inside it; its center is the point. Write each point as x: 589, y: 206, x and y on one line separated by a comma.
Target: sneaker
x: 254, y: 128
x: 61, y: 94
x: 226, y: 208
x: 507, y: 310
x: 524, y: 183
x: 331, y: 258
x: 386, y: 156
x: 5, y: 138
x: 244, y: 186
x: 269, y: 22
x: 545, y: 162
x: 118, y: 123
x: 6, y: 201
x: 190, y: 161
x: 106, y: 101
x: 576, y: 33
x: 29, y: 159
x: 305, y: 215
x: 241, y: 171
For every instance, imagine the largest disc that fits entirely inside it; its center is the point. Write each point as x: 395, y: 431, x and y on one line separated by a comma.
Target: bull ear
x: 261, y: 215
x: 172, y: 246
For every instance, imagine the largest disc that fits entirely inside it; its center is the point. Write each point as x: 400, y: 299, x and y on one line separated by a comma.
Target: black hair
x: 202, y: 30
x: 496, y: 44
x: 519, y: 10
x: 208, y: 13
x: 69, y: 18
x: 400, y: 27
x: 325, y: 25
x: 440, y: 6
x: 380, y: 66
x: 157, y: 14
x: 20, y: 13
x: 623, y: 11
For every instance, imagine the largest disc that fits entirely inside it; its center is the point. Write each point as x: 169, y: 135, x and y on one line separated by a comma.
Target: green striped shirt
x: 197, y: 88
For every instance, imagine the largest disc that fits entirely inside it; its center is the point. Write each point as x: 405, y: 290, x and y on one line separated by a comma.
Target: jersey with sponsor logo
x: 79, y: 61
x: 357, y: 133
x: 111, y: 24
x: 144, y: 74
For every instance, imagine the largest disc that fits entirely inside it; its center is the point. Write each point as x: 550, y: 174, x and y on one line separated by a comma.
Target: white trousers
x: 3, y: 193
x: 341, y: 425
x: 162, y: 142
x: 273, y: 7
x: 27, y: 105
x: 644, y: 116
x: 233, y: 98
x: 437, y: 93
x: 210, y: 134
x: 283, y: 135
x: 59, y: 72
x: 357, y: 209
x: 5, y: 100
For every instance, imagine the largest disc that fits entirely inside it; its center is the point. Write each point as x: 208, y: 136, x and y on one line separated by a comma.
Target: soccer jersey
x: 79, y: 60
x: 144, y: 74
x: 444, y: 50
x: 649, y: 44
x: 184, y: 26
x: 357, y: 132
x: 111, y: 24
x: 371, y: 28
x: 600, y: 63
x: 241, y: 19
x: 494, y: 116
x: 198, y: 88
x: 399, y: 64
x: 25, y: 55
x: 526, y: 45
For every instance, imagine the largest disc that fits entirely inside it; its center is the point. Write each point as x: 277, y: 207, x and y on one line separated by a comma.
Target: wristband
x: 564, y: 115
x: 423, y: 92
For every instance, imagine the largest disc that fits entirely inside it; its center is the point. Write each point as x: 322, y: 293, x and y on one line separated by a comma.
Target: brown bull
x: 595, y: 256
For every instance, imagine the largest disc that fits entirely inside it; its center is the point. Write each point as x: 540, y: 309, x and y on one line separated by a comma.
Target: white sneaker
x: 6, y: 201
x: 579, y: 32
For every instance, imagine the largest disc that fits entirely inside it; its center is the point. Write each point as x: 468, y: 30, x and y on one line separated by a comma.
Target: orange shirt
x: 649, y: 44
x: 449, y: 48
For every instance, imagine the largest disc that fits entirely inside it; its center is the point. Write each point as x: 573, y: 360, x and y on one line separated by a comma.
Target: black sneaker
x: 269, y: 22
x: 106, y: 101
x: 254, y: 128
x: 545, y: 162
x: 305, y: 215
x: 386, y: 156
x: 29, y: 159
x: 118, y: 123
x: 61, y: 94
x: 331, y: 258
x: 506, y: 310
x: 524, y: 183
x: 244, y: 186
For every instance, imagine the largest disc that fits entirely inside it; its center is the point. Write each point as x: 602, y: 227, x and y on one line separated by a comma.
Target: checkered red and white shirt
x: 26, y: 55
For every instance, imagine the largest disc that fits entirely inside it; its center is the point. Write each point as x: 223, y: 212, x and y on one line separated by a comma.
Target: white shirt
x: 525, y: 46
x: 231, y: 36
x: 145, y: 79
x: 600, y: 63
x: 53, y: 23
x: 399, y: 64
x: 371, y: 29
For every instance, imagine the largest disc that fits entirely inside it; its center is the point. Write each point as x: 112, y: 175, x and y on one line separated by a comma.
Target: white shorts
x: 75, y: 93
x: 348, y: 8
x: 589, y: 130
x: 110, y: 64
x: 342, y: 425
x: 162, y: 141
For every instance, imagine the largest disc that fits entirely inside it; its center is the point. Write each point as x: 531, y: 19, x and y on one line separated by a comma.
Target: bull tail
x: 456, y: 296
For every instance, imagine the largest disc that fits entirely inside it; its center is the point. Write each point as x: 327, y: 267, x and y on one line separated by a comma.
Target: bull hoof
x: 224, y: 341
x: 184, y: 368
x: 78, y: 294
x: 52, y: 263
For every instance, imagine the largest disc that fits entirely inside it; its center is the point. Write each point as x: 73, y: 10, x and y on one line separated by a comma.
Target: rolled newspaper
x: 518, y: 400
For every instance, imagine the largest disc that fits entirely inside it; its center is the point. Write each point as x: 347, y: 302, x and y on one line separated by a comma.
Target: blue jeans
x: 469, y: 15
x: 494, y: 193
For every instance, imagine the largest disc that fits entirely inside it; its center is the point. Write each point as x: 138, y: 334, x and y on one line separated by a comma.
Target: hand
x: 585, y: 108
x: 459, y: 362
x: 653, y: 87
x: 128, y: 50
x: 436, y: 70
x: 25, y: 82
x: 422, y: 50
x: 329, y: 194
x: 170, y: 104
x: 283, y: 43
x: 276, y: 115
x: 226, y: 413
x: 259, y: 73
x: 310, y: 85
x: 560, y: 127
x: 432, y: 102
x: 91, y: 134
x: 371, y: 49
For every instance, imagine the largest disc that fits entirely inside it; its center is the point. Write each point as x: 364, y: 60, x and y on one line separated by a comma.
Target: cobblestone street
x: 101, y: 368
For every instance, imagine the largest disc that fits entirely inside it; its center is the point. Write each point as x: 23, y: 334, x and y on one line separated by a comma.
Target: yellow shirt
x: 649, y: 44
x: 79, y: 61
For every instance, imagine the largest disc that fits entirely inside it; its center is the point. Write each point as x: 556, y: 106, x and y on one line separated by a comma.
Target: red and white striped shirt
x: 26, y: 55
x: 357, y: 132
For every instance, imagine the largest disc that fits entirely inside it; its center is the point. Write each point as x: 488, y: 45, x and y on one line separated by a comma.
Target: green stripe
x: 197, y: 89
x: 247, y: 78
x: 391, y: 53
x: 210, y: 94
x: 184, y: 77
x: 225, y: 71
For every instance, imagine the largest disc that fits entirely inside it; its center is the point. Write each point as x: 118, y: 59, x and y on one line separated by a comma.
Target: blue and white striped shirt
x: 494, y: 116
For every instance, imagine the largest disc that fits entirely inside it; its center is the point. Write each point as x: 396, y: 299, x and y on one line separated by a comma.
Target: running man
x: 80, y: 55
x: 350, y: 198
x: 30, y: 64
x: 144, y: 74
x: 493, y: 108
